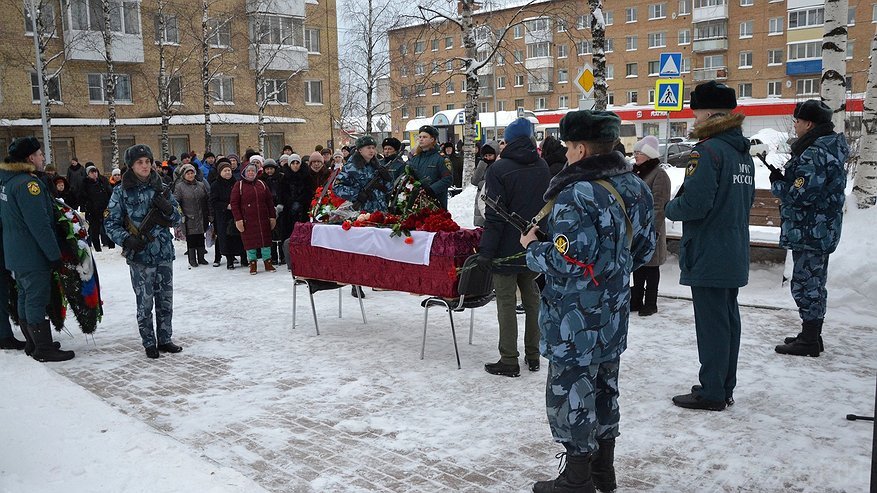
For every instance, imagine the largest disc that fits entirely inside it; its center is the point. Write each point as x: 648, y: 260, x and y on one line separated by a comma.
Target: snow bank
x: 852, y: 282
x: 462, y: 207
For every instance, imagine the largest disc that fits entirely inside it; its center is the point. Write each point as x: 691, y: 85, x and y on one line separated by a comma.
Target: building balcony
x: 89, y: 45
x: 539, y: 36
x: 485, y: 92
x: 540, y: 87
x: 714, y: 73
x: 539, y: 63
x: 294, y: 8
x: 712, y: 13
x: 710, y: 44
x: 804, y: 67
x: 283, y: 58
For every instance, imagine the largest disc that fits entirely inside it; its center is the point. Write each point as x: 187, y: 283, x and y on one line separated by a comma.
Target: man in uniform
x: 428, y: 165
x: 713, y: 205
x: 599, y: 230
x: 150, y: 253
x: 356, y: 182
x: 812, y: 195
x: 392, y: 159
x: 30, y: 245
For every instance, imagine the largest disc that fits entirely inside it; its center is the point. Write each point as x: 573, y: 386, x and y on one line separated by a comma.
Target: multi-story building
x: 296, y: 43
x: 762, y: 48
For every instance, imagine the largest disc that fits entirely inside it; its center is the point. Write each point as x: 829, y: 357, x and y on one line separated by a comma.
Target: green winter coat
x: 434, y: 171
x: 28, y: 218
x: 714, y: 205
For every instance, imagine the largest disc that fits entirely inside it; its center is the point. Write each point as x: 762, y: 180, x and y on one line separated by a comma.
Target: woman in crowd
x: 318, y: 172
x: 276, y: 182
x: 95, y: 199
x: 254, y: 216
x: 192, y: 194
x: 228, y: 238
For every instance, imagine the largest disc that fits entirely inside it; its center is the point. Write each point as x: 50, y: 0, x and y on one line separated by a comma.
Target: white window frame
x: 684, y: 7
x: 633, y: 97
x: 219, y: 82
x: 630, y: 15
x: 687, y: 38
x: 562, y: 51
x: 562, y: 76
x: 562, y: 102
x: 519, y: 80
x: 742, y: 60
x: 747, y: 29
x: 775, y: 26
x: 775, y: 86
x: 220, y: 33
x: 168, y: 20
x: 271, y: 86
x: 48, y: 15
x: 34, y: 88
x: 627, y: 71
x: 741, y: 93
x: 772, y: 54
x: 814, y: 87
x: 657, y: 11
x: 312, y: 36
x: 657, y: 40
x: 630, y: 43
x: 102, y: 79
x: 309, y: 97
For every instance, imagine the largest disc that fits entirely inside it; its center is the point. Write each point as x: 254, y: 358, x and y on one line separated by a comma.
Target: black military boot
x: 29, y: 345
x: 202, y: 253
x: 807, y: 342
x: 650, y: 305
x: 789, y: 340
x: 636, y: 299
x: 504, y: 369
x: 44, y: 347
x: 12, y: 343
x: 603, y: 466
x: 193, y: 258
x: 574, y: 478
x: 229, y: 264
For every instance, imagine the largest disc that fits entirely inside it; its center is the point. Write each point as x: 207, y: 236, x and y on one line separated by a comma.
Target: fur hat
x: 294, y: 157
x: 365, y: 140
x: 256, y: 157
x: 430, y: 130
x: 648, y: 146
x: 590, y: 126
x: 520, y: 127
x: 392, y: 142
x: 21, y: 148
x: 713, y: 95
x: 813, y: 110
x: 136, y: 152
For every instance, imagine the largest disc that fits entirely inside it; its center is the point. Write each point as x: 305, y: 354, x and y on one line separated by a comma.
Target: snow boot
x: 789, y: 340
x: 636, y: 298
x: 532, y: 364
x: 650, y: 305
x: 574, y: 478
x: 193, y: 258
x: 29, y: 344
x: 152, y: 352
x: 603, y: 466
x: 504, y: 369
x: 807, y: 343
x: 201, y: 257
x: 253, y: 267
x: 169, y: 347
x: 12, y: 343
x: 229, y: 264
x: 695, y: 401
x: 696, y: 389
x: 269, y: 267
x: 44, y: 347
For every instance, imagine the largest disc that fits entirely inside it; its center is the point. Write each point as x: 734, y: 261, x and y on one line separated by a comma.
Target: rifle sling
x: 611, y: 189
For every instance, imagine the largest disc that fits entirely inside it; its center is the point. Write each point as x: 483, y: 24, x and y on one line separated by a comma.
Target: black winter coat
x: 96, y: 195
x: 298, y: 186
x: 220, y: 197
x: 554, y: 153
x: 517, y: 181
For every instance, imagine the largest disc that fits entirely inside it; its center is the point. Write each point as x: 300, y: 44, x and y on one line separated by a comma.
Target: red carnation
x: 409, y: 240
x: 345, y: 225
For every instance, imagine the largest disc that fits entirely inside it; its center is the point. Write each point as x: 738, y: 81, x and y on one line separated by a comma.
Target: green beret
x: 590, y: 126
x: 430, y: 130
x: 365, y: 140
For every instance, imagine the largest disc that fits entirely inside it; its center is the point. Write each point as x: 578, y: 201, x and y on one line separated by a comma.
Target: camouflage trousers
x: 582, y: 404
x: 154, y: 285
x: 808, y: 283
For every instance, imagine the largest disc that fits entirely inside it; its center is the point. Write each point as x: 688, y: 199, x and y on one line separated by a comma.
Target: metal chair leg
x: 294, y: 290
x: 361, y: 309
x: 314, y: 311
x: 471, y: 324
x: 425, y: 320
x: 339, y: 301
x: 454, y: 335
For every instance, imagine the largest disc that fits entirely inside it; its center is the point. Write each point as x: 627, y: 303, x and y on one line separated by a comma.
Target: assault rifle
x: 153, y: 218
x: 763, y: 157
x: 513, y: 218
x: 380, y: 173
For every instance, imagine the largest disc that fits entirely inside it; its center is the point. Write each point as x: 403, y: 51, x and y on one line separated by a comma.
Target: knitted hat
x: 186, y: 168
x: 284, y: 158
x: 294, y: 157
x: 90, y: 169
x: 521, y: 127
x: 712, y: 95
x: 590, y: 126
x: 365, y: 140
x: 316, y: 156
x: 270, y: 163
x: 209, y: 154
x: 430, y: 130
x: 136, y: 152
x: 116, y: 171
x: 233, y: 156
x: 648, y: 146
x: 813, y: 110
x: 392, y: 142
x: 172, y: 160
x: 222, y: 164
x: 256, y: 157
x: 21, y: 148
x: 337, y: 154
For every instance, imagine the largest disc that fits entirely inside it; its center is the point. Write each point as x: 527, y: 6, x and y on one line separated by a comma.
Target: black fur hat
x: 21, y: 148
x: 430, y: 130
x: 813, y: 110
x: 136, y: 152
x: 590, y: 126
x: 392, y: 142
x: 712, y: 95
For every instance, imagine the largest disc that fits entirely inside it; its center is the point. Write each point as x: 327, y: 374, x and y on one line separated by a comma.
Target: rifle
x: 763, y: 156
x: 332, y: 175
x: 370, y: 186
x: 153, y: 218
x: 513, y: 218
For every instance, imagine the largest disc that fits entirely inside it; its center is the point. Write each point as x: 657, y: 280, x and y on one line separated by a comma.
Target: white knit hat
x: 648, y: 146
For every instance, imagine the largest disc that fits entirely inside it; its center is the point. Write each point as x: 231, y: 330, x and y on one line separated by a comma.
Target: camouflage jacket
x: 434, y: 171
x: 132, y: 200
x: 355, y: 177
x: 812, y: 195
x: 587, y: 262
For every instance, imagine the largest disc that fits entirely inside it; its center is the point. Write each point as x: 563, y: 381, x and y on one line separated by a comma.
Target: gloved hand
x: 363, y: 197
x: 484, y: 262
x: 162, y: 204
x: 56, y: 264
x: 384, y: 173
x: 278, y: 209
x: 134, y: 244
x: 776, y: 174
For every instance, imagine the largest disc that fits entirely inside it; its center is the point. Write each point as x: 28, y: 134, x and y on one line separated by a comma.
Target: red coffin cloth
x: 439, y: 278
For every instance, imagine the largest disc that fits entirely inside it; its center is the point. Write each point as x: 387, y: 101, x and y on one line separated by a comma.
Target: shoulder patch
x: 448, y: 163
x: 561, y: 243
x: 799, y: 182
x: 33, y: 187
x: 693, y: 159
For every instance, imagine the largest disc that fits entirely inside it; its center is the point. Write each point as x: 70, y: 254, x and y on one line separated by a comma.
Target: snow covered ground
x: 253, y: 404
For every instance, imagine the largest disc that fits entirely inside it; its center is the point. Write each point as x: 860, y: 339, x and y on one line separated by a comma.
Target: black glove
x: 362, y: 197
x: 385, y: 174
x: 776, y: 174
x: 484, y: 262
x: 56, y: 264
x: 162, y: 204
x: 134, y: 244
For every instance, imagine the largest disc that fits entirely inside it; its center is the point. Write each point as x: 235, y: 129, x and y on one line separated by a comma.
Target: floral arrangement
x: 330, y: 208
x: 426, y: 219
x: 410, y: 195
x: 376, y: 219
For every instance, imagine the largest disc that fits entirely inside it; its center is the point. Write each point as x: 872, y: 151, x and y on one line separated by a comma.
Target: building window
x: 519, y: 103
x: 434, y: 46
x: 804, y: 51
x: 484, y: 107
x: 277, y: 30
x: 654, y: 68
x: 500, y: 60
x: 403, y: 50
x: 500, y: 106
x: 419, y: 69
x: 406, y: 92
x: 712, y: 62
x: 47, y: 14
x: 563, y: 102
x: 774, y: 89
x: 747, y: 3
x: 610, y: 45
x: 419, y: 90
x: 404, y: 112
x: 874, y: 13
x: 220, y: 33
x: 449, y: 66
x: 657, y: 11
x: 175, y: 90
x: 678, y: 129
x: 562, y: 51
x: 519, y: 56
x: 657, y: 40
x: 850, y: 48
x: 449, y: 86
x: 774, y: 57
x: 419, y: 112
x: 403, y: 71
x: 562, y: 76
x: 630, y: 43
x: 449, y: 106
x: 745, y: 59
x: 178, y: 144
x: 610, y: 71
x: 803, y: 18
x: 314, y: 92
x: 583, y: 22
x: 630, y: 14
x: 851, y: 16
x: 225, y: 144
x: 312, y: 40
x: 632, y: 96
x: 686, y: 65
x: 500, y: 82
x: 561, y: 26
x: 711, y: 30
x: 775, y: 26
x: 684, y: 37
x: 608, y: 18
x: 541, y: 103
x: 87, y: 15
x: 806, y: 87
x: 171, y: 32
x: 97, y: 85
x: 651, y: 96
x: 746, y: 29
x: 222, y: 89
x: 519, y: 80
x: 449, y: 42
x: 435, y: 89
x: 610, y: 98
x: 518, y: 31
x: 684, y: 7
x: 53, y: 88
x: 418, y: 47
x: 653, y: 129
x: 848, y: 83
x: 584, y: 47
x: 631, y: 70
x: 744, y: 90
x: 539, y: 50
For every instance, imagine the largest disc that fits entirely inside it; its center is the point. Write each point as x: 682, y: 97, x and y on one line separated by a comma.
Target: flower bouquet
x: 410, y: 195
x: 426, y: 219
x: 331, y: 208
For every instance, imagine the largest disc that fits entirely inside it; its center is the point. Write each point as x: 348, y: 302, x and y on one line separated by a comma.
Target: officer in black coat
x: 96, y: 192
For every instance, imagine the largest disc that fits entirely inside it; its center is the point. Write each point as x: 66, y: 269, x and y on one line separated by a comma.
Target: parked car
x: 756, y: 147
x: 678, y: 155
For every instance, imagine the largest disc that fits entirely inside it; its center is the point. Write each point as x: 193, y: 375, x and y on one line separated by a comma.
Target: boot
x: 193, y: 258
x: 12, y: 343
x: 253, y: 267
x: 201, y: 257
x: 268, y: 266
x: 636, y: 298
x: 807, y: 342
x: 229, y: 264
x: 45, y: 349
x: 650, y: 306
x: 574, y: 478
x: 29, y: 345
x: 504, y: 369
x: 603, y: 466
x: 789, y: 340
x: 356, y: 292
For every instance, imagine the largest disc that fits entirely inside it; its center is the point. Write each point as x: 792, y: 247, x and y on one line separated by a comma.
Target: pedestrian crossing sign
x: 668, y: 95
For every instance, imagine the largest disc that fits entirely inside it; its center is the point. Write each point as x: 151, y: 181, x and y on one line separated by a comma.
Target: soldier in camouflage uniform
x: 151, y: 253
x: 428, y: 165
x: 600, y: 229
x: 353, y: 181
x: 811, y: 192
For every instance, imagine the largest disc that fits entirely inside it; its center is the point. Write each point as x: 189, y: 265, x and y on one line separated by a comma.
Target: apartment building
x: 762, y: 48
x: 297, y: 48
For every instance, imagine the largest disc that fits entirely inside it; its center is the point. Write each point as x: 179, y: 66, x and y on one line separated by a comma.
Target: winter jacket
x: 812, y: 195
x: 251, y: 202
x: 587, y: 261
x: 63, y: 195
x: 27, y: 217
x: 317, y: 180
x: 517, y: 181
x: 434, y: 171
x: 396, y: 165
x: 355, y: 177
x: 132, y: 200
x: 714, y: 206
x: 298, y: 188
x: 193, y: 198
x: 659, y: 183
x: 456, y: 169
x: 554, y: 153
x: 478, y: 179
x: 220, y: 198
x: 95, y: 195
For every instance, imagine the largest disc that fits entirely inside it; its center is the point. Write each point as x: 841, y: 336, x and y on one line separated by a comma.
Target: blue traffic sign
x: 668, y: 95
x: 670, y: 64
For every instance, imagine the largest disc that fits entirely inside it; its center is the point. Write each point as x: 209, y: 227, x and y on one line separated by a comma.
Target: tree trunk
x: 163, y: 85
x: 205, y: 74
x: 42, y: 40
x: 834, y: 64
x: 865, y: 184
x: 111, y: 83
x: 370, y: 77
x: 598, y: 38
x: 256, y: 38
x: 472, y: 87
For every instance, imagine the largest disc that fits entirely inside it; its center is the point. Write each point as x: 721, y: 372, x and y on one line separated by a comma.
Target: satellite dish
x: 788, y: 84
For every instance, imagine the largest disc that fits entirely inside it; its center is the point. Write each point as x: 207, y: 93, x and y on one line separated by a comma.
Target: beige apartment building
x: 762, y: 48
x: 298, y: 52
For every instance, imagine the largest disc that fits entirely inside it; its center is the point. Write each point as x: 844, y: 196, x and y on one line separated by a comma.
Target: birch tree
x: 107, y: 8
x: 834, y: 64
x: 865, y: 181
x: 598, y: 38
